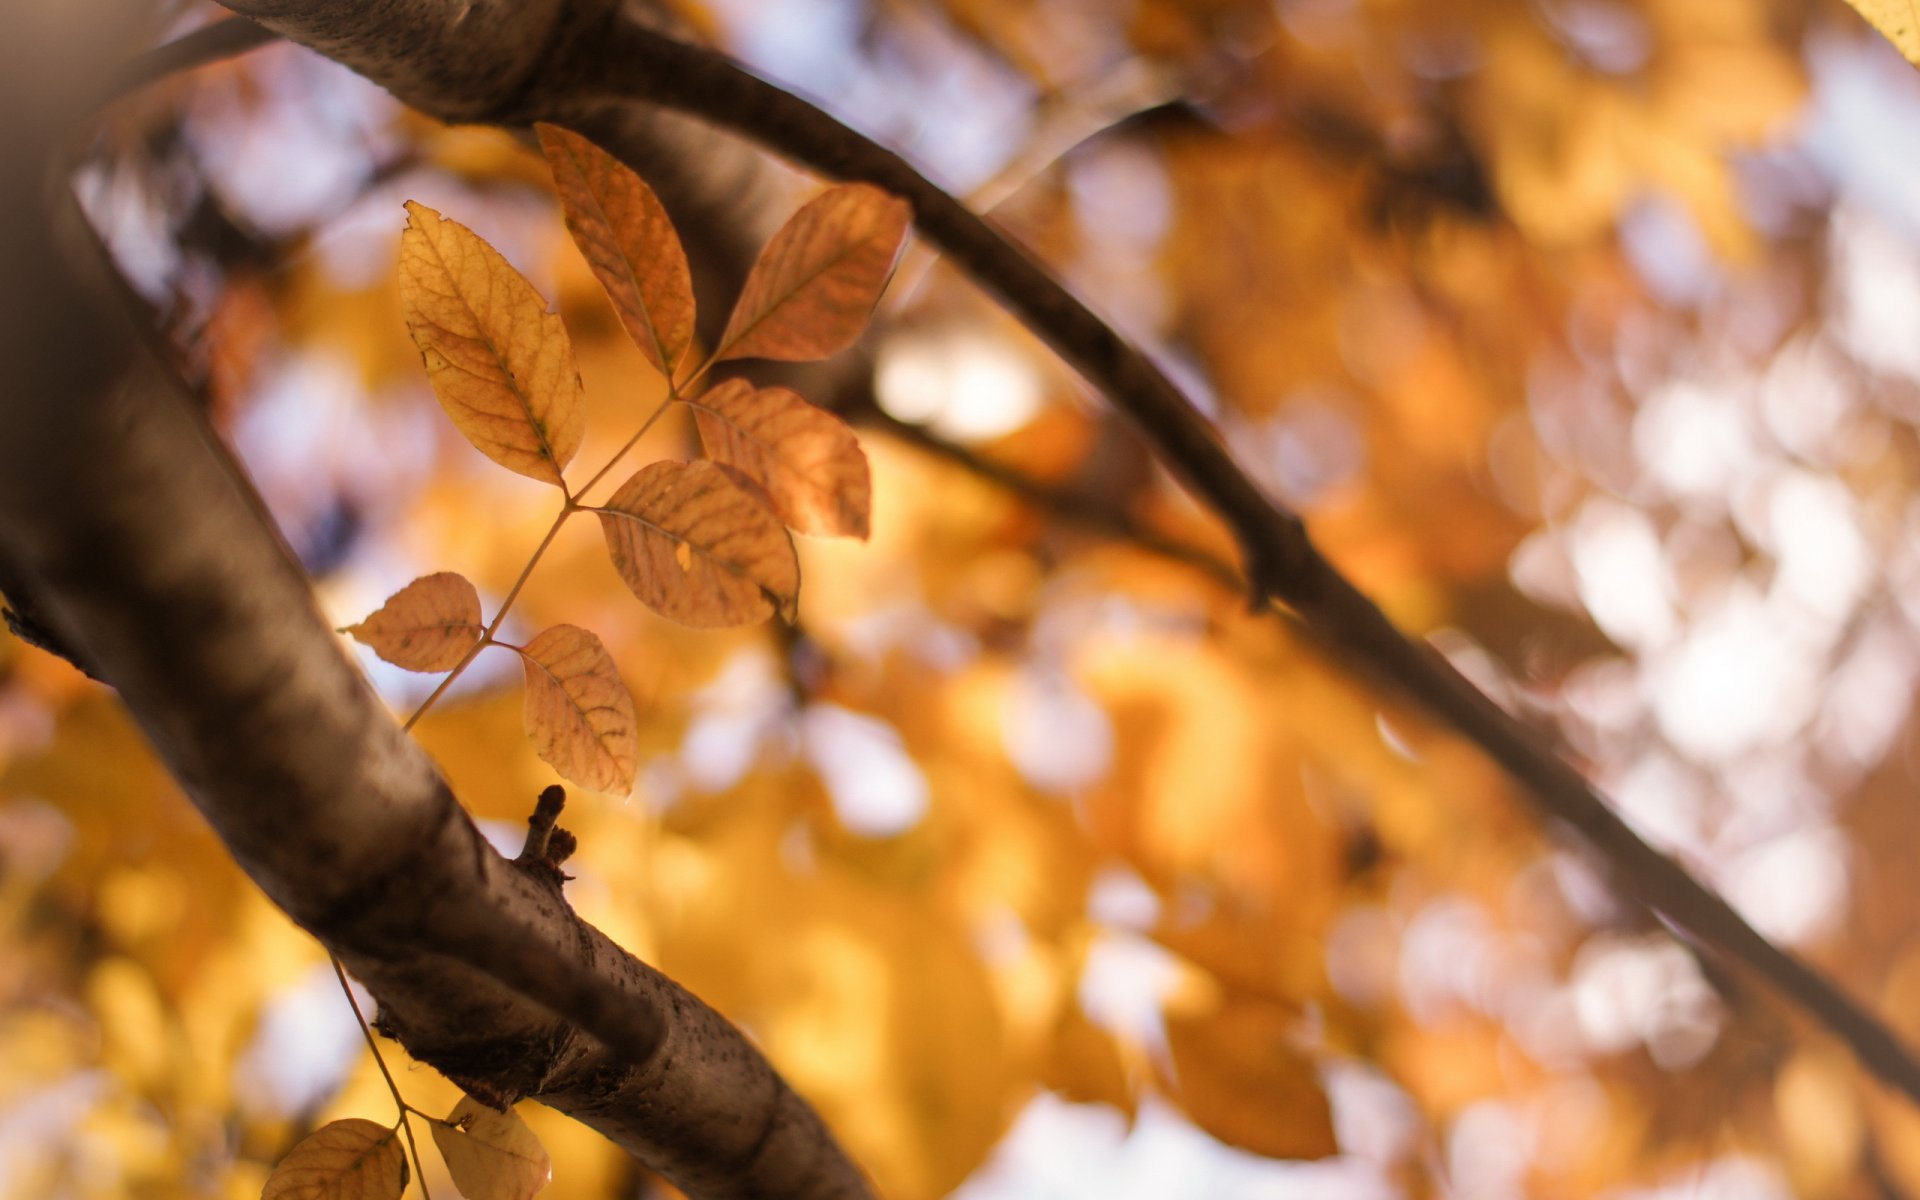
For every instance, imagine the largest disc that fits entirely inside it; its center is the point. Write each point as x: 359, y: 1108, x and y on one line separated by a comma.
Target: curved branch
x: 211, y: 43
x: 572, y: 66
x: 149, y: 554
x: 633, y: 61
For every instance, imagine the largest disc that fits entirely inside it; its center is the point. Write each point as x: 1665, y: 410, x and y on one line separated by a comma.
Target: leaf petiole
x: 566, y: 510
x: 366, y: 1031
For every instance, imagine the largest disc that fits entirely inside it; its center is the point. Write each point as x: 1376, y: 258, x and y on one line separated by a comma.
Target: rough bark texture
x: 615, y: 61
x: 156, y: 566
x: 147, y: 552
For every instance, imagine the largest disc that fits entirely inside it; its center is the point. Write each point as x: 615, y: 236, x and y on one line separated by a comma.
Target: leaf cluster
x: 704, y: 543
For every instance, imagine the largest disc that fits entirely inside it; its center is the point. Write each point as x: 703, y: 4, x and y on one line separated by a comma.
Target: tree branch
x: 513, y: 62
x: 630, y: 60
x: 211, y: 43
x: 148, y: 554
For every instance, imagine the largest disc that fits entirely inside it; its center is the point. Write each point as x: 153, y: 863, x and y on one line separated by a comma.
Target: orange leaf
x: 628, y: 240
x: 353, y: 1159
x: 807, y: 460
x: 1085, y: 1065
x: 499, y: 362
x: 579, y: 715
x: 697, y: 546
x: 1239, y: 1076
x: 428, y: 625
x: 811, y: 289
x: 491, y: 1155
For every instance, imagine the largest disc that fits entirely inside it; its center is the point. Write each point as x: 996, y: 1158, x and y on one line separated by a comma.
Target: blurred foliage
x: 1582, y: 331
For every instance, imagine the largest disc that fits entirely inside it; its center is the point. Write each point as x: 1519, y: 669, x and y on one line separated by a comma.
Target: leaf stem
x: 673, y: 394
x: 699, y: 373
x: 366, y: 1031
x: 513, y: 593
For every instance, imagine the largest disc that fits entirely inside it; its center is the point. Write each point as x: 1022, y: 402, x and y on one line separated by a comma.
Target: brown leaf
x: 626, y: 237
x: 579, y: 715
x: 697, y: 546
x: 814, y: 284
x: 491, y: 1155
x: 499, y: 362
x: 806, y: 459
x: 1239, y: 1076
x: 428, y: 625
x: 353, y: 1159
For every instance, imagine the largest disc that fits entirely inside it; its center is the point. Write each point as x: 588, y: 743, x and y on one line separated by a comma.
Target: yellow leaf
x: 626, y: 237
x: 811, y: 289
x: 491, y: 1155
x: 696, y: 546
x: 352, y: 1159
x: 499, y: 362
x: 1239, y: 1076
x: 428, y: 625
x: 807, y: 460
x: 1898, y: 20
x: 579, y: 715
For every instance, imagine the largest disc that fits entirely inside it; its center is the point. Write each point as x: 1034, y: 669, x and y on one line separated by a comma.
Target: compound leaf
x: 491, y: 1155
x: 579, y: 714
x: 354, y: 1159
x: 695, y: 545
x: 429, y: 625
x: 813, y: 286
x: 499, y: 362
x: 626, y: 237
x: 807, y: 460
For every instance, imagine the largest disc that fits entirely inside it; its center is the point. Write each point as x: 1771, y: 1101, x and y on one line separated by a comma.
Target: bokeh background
x: 1586, y: 334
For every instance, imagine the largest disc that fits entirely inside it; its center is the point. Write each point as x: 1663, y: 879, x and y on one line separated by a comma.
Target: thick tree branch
x: 148, y: 553
x: 602, y: 61
x: 1281, y: 561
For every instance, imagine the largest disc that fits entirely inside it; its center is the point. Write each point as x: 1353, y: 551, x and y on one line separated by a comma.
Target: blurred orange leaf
x: 1239, y: 1076
x: 499, y: 362
x: 808, y: 461
x: 1084, y: 1064
x: 626, y: 237
x: 491, y: 1155
x: 428, y: 625
x: 579, y: 714
x: 814, y: 284
x: 354, y: 1159
x: 697, y: 546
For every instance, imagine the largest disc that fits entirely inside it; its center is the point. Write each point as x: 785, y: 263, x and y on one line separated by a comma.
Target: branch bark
x: 574, y: 66
x: 148, y: 553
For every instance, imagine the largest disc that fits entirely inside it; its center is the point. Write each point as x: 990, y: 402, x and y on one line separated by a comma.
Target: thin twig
x: 629, y: 61
x: 1060, y: 502
x: 366, y: 1031
x: 211, y: 43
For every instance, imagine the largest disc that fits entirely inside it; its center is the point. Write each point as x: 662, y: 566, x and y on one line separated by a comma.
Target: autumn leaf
x: 1239, y: 1076
x: 429, y: 625
x: 491, y: 1155
x: 626, y: 237
x: 807, y: 460
x: 579, y: 715
x: 814, y: 284
x: 1897, y: 20
x: 697, y: 546
x: 498, y: 360
x: 354, y: 1159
